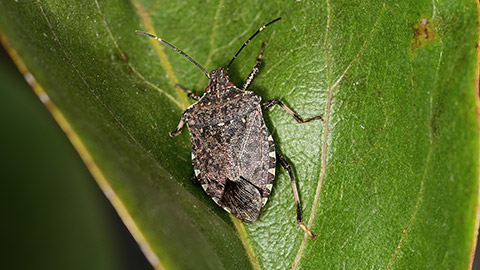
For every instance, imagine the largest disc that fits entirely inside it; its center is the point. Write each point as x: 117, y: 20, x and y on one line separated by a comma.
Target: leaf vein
x: 422, y: 183
x: 151, y: 256
x: 213, y: 37
x: 160, y: 53
x: 130, y: 65
x: 325, y: 135
x: 331, y: 89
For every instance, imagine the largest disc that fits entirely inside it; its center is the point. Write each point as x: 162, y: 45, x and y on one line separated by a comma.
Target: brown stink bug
x: 233, y: 153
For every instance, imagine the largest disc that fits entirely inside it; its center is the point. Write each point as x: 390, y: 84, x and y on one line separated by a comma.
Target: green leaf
x: 388, y: 180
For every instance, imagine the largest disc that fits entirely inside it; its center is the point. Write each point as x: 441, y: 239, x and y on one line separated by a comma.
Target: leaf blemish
x: 423, y: 33
x: 124, y: 56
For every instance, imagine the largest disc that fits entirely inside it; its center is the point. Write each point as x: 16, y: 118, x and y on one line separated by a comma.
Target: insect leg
x: 297, y: 117
x: 255, y: 69
x: 179, y: 127
x: 287, y: 167
x: 189, y: 92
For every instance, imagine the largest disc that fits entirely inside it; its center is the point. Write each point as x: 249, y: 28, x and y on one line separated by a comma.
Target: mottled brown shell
x: 233, y: 152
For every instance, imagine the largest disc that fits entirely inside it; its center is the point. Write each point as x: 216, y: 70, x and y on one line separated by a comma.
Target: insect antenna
x: 174, y: 48
x: 246, y: 42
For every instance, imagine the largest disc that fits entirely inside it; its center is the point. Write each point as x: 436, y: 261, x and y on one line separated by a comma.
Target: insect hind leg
x: 287, y: 167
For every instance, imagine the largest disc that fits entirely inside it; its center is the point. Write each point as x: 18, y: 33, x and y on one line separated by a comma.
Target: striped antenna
x: 245, y: 44
x: 176, y: 49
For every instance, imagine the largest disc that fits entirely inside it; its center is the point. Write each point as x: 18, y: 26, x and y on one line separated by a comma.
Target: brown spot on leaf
x: 124, y: 56
x: 423, y: 33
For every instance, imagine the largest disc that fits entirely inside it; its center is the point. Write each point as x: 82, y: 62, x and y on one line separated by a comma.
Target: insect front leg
x: 287, y: 167
x: 255, y: 69
x: 179, y: 127
x: 189, y: 92
x: 297, y: 117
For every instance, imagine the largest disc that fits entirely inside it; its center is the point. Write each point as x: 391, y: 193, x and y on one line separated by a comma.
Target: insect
x: 233, y: 153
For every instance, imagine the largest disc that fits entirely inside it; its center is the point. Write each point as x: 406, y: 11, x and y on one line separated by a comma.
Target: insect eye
x: 230, y: 83
x: 207, y: 89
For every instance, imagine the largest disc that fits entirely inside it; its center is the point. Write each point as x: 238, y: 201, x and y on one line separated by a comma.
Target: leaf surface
x: 388, y: 180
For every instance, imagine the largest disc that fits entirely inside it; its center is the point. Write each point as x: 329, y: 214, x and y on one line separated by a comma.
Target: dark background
x: 54, y: 216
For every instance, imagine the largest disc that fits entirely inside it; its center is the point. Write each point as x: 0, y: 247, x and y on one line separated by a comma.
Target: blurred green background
x: 54, y: 215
